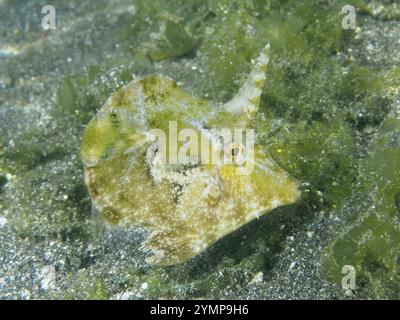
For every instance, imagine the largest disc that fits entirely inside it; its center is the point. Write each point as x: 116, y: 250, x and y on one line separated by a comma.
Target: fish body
x: 184, y: 168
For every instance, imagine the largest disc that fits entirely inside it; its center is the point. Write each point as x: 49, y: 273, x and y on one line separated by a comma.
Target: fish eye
x: 235, y: 152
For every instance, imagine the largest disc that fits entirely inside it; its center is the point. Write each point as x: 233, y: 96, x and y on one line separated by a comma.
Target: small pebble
x: 48, y: 277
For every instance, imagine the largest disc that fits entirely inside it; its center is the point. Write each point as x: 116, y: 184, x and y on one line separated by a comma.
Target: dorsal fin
x: 247, y: 99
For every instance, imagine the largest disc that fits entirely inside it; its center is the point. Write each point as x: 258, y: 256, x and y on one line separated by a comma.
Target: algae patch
x: 372, y: 242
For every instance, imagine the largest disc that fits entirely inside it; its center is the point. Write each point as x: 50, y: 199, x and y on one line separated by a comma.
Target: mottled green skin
x: 186, y: 209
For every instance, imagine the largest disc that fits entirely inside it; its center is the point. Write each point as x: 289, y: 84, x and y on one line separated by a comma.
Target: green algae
x: 386, y: 10
x: 83, y: 286
x: 78, y: 97
x: 321, y: 154
x: 372, y: 243
x: 175, y: 43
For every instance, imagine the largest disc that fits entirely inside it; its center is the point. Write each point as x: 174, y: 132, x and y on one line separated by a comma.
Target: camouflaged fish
x: 186, y: 203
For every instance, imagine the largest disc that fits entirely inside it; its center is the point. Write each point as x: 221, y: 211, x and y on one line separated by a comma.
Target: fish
x: 186, y: 169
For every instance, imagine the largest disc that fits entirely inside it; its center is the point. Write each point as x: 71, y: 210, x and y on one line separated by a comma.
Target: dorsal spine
x: 247, y: 99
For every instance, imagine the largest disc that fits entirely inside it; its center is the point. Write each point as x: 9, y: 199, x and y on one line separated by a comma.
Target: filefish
x: 138, y: 171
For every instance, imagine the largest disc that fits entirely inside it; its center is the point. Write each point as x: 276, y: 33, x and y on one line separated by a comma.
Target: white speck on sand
x: 3, y: 222
x: 48, y: 277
